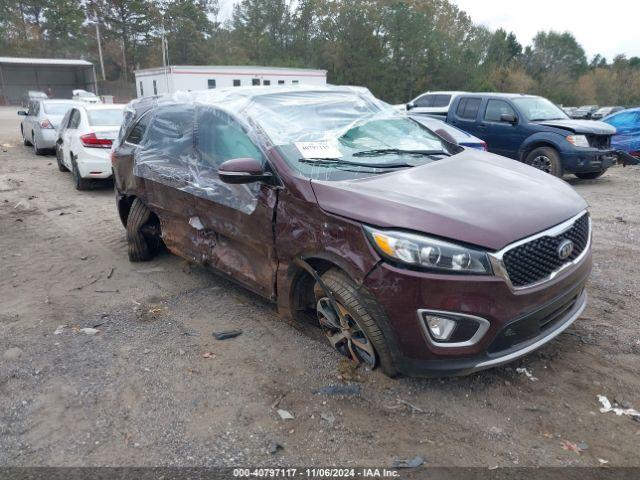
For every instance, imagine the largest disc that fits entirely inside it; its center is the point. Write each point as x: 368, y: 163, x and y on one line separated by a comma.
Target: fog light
x: 440, y: 328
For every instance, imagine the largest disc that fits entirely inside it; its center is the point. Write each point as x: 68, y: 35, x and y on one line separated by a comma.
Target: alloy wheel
x: 542, y: 162
x: 345, y: 334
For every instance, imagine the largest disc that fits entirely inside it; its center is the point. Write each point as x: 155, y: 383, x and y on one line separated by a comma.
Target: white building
x: 156, y: 81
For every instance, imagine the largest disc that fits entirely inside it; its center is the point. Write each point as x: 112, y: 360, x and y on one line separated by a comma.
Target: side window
x: 155, y: 88
x: 221, y: 138
x: 280, y: 82
x: 137, y: 132
x: 237, y: 83
x: 441, y: 100
x: 74, y: 120
x: 141, y: 89
x: 211, y: 83
x: 495, y: 109
x: 266, y: 83
x: 468, y: 108
x: 255, y: 81
x: 170, y: 134
x: 295, y: 82
x: 425, y: 101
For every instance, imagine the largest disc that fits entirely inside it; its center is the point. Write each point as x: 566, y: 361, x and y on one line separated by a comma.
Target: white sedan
x: 84, y: 142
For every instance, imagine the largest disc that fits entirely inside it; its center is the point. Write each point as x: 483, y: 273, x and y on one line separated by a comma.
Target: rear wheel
x: 37, y: 150
x: 354, y: 333
x: 59, y: 154
x: 590, y: 175
x: 25, y: 142
x: 80, y: 183
x: 545, y: 159
x: 142, y: 232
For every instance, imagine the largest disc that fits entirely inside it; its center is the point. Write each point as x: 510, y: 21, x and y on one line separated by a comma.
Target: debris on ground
x: 344, y: 390
x: 59, y: 329
x: 274, y: 446
x: 285, y: 415
x: 408, y: 463
x: 573, y: 447
x: 607, y: 407
x: 226, y: 334
x: 208, y: 355
x: 328, y: 417
x: 602, y: 461
x: 527, y: 373
x: 89, y: 331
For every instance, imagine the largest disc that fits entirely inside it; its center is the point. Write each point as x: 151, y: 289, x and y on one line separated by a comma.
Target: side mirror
x: 22, y: 113
x: 410, y: 105
x: 508, y: 118
x: 242, y: 170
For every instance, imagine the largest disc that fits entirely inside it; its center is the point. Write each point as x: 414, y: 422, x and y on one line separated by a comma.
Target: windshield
x: 341, y: 135
x: 110, y: 117
x: 537, y: 109
x: 57, y: 108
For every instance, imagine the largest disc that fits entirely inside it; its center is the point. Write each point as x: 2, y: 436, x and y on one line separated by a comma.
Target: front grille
x: 534, y: 261
x: 601, y: 142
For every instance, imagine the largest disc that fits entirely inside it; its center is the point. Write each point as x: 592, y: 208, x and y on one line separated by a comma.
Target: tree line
x: 397, y: 49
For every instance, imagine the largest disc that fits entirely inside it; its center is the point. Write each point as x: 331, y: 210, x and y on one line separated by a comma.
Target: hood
x: 473, y: 197
x: 581, y: 126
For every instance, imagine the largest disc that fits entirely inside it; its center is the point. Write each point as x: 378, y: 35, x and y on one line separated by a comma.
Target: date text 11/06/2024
x: 315, y: 473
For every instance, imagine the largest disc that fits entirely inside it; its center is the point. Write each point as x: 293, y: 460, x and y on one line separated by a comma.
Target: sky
x: 604, y: 27
x: 607, y: 28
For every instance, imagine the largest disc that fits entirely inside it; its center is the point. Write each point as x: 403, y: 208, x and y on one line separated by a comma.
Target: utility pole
x: 95, y: 14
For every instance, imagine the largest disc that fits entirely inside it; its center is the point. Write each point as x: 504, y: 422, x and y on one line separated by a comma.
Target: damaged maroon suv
x: 411, y: 253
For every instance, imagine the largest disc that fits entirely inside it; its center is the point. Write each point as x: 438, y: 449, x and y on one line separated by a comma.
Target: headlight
x: 578, y: 140
x: 428, y: 253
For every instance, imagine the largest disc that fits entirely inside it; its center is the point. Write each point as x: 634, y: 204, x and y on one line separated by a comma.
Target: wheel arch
x: 536, y: 141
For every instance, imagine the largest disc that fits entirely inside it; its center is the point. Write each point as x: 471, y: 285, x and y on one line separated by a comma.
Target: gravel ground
x: 154, y: 388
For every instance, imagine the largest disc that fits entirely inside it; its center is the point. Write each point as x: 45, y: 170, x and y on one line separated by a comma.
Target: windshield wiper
x: 391, y: 151
x: 546, y: 119
x: 328, y: 162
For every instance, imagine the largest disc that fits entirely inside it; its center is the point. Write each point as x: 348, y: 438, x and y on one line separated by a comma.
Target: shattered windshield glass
x: 342, y: 135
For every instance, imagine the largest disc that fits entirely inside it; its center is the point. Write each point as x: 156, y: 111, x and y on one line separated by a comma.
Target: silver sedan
x: 40, y: 121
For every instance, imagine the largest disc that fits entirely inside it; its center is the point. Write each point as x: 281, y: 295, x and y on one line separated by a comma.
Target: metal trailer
x: 156, y: 81
x: 57, y: 76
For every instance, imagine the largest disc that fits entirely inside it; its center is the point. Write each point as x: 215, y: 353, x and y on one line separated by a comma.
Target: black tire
x: 141, y: 249
x: 545, y: 159
x: 59, y: 154
x: 346, y: 294
x: 79, y: 182
x: 36, y: 150
x: 25, y: 142
x: 590, y: 175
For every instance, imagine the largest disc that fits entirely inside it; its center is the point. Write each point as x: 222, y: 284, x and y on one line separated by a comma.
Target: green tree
x: 188, y: 29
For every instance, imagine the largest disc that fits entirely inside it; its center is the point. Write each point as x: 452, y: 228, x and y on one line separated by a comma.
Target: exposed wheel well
x: 124, y: 207
x: 303, y: 304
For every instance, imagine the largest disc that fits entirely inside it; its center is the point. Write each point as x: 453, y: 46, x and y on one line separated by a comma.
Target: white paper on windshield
x: 318, y: 150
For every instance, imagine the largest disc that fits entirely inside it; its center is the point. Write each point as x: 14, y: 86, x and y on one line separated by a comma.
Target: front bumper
x: 556, y: 304
x: 589, y: 160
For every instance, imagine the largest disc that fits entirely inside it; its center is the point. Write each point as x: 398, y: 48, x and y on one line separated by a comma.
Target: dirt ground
x: 154, y: 388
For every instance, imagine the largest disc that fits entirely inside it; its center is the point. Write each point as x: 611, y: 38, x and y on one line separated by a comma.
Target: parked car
x: 570, y: 111
x: 412, y: 253
x: 80, y: 95
x: 33, y: 95
x: 584, y: 112
x: 38, y: 127
x: 84, y: 142
x: 450, y: 132
x: 535, y: 131
x: 627, y: 125
x: 433, y: 103
x: 604, y: 111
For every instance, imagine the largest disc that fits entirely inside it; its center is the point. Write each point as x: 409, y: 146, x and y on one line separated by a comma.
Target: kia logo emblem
x: 565, y: 249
